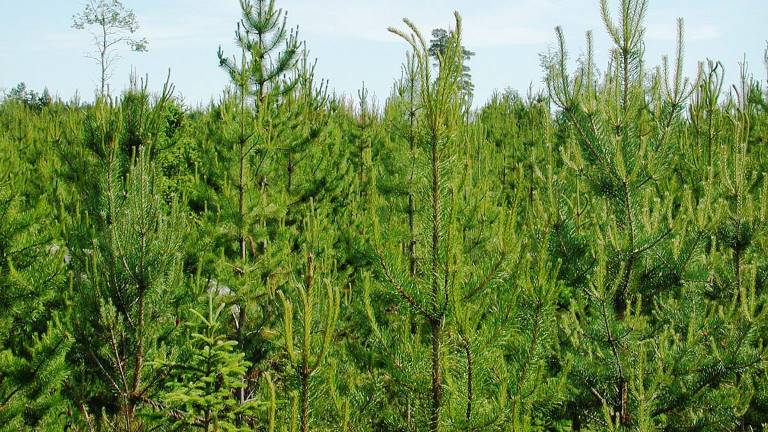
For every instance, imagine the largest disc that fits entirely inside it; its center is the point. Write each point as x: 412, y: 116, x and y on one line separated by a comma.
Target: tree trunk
x: 305, y: 401
x: 437, y: 320
x: 290, y: 171
x: 241, y: 204
x: 470, y: 377
x: 437, y: 376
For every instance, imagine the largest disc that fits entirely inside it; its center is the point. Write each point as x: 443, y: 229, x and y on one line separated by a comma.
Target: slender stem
x: 103, y: 57
x: 411, y: 201
x: 437, y: 378
x: 437, y: 321
x: 470, y: 376
x: 242, y: 159
x: 306, y: 370
x: 305, y: 397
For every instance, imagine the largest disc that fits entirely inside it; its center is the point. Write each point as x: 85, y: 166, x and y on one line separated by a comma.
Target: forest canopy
x: 588, y: 257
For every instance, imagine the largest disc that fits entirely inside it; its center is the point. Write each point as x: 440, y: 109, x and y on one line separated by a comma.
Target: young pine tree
x: 448, y: 279
x: 317, y: 315
x: 269, y: 53
x: 263, y: 77
x: 642, y: 326
x: 428, y: 293
x: 124, y: 288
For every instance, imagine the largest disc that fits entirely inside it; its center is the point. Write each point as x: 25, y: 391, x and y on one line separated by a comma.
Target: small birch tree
x: 110, y: 24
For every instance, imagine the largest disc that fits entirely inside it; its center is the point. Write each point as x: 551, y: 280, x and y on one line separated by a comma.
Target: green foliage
x: 33, y: 344
x: 287, y: 259
x: 30, y: 98
x: 646, y: 301
x: 264, y: 68
x: 128, y: 279
x: 201, y: 387
x: 307, y: 354
x: 438, y: 46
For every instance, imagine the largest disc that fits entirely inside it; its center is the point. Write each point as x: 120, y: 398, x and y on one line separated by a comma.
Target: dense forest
x: 587, y: 257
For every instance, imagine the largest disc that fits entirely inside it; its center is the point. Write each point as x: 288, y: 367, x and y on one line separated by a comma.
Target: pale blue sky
x: 350, y: 40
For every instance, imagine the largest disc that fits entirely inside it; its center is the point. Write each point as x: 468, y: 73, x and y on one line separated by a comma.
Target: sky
x: 350, y: 40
